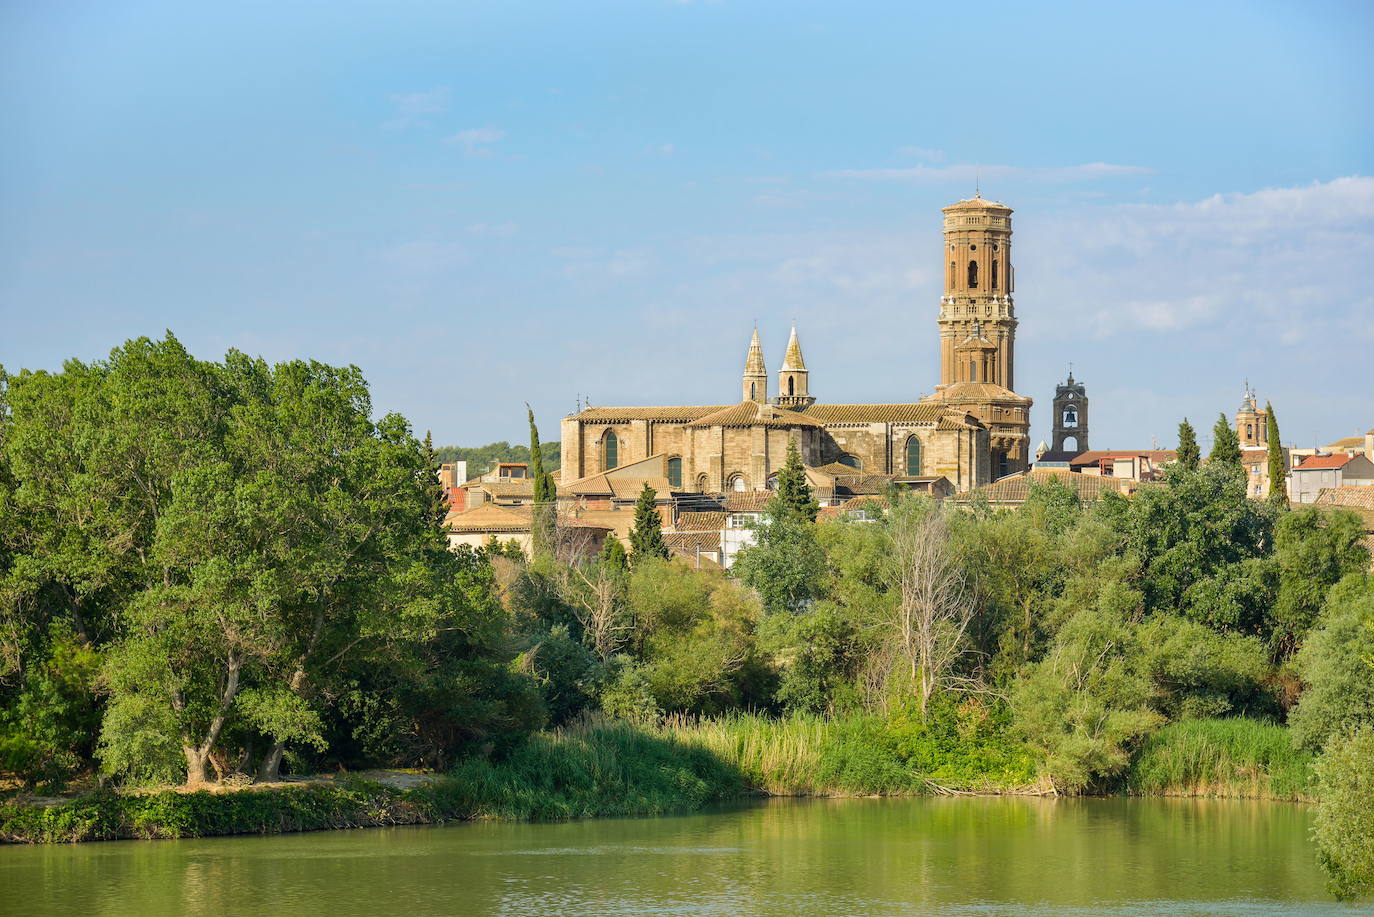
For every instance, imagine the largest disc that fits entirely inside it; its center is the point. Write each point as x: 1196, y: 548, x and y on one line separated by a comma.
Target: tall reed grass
x: 1235, y: 757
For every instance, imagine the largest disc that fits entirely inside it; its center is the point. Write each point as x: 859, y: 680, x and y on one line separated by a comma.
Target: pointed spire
x: 793, y: 360
x: 753, y: 364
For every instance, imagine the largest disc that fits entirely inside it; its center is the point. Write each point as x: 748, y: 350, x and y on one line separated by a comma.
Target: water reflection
x: 795, y: 858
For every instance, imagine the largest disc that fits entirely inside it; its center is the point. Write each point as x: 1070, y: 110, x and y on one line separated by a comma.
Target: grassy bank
x: 815, y: 756
x: 599, y: 770
x: 614, y: 769
x: 1222, y: 758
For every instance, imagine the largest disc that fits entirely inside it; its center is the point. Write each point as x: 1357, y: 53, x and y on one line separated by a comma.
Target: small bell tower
x: 1070, y: 416
x: 793, y: 388
x: 755, y: 373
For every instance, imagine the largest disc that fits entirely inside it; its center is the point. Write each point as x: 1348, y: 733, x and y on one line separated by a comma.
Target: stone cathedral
x: 972, y: 430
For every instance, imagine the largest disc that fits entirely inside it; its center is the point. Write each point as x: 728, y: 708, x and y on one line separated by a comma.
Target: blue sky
x: 487, y: 204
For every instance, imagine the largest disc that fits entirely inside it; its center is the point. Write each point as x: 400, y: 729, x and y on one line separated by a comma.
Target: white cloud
x: 1285, y: 260
x: 666, y: 149
x: 412, y: 107
x: 476, y: 141
x: 971, y: 173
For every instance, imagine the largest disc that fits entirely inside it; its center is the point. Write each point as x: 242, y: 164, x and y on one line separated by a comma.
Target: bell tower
x: 1252, y: 421
x: 793, y: 388
x: 755, y: 373
x: 978, y: 285
x: 1070, y: 416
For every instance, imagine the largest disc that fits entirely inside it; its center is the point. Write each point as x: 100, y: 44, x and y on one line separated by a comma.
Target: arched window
x: 674, y: 472
x: 851, y: 460
x: 612, y: 446
x: 1070, y: 418
x: 913, y: 456
x: 994, y: 273
x: 753, y: 396
x: 1249, y: 431
x: 738, y: 483
x: 973, y: 275
x: 791, y: 390
x: 702, y: 481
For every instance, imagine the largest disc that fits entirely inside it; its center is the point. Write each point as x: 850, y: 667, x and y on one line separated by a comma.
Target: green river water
x: 786, y: 857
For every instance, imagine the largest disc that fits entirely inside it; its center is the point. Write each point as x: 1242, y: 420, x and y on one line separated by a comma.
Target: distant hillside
x: 482, y: 459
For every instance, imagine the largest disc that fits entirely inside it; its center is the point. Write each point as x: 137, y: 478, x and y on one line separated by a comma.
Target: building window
x: 738, y: 483
x: 612, y: 447
x: 753, y: 396
x: 1070, y: 418
x: 1249, y: 431
x: 973, y: 275
x: 675, y: 472
x: 913, y: 456
x: 702, y: 481
x: 790, y: 385
x: 850, y: 460
x: 994, y: 273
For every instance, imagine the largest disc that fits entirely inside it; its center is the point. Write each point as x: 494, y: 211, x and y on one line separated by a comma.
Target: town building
x: 971, y: 430
x: 1315, y: 472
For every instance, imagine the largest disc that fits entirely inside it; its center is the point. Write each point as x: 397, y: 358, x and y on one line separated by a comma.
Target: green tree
x: 793, y: 493
x: 1334, y: 663
x: 1189, y: 455
x: 1344, y: 823
x: 1225, y: 445
x: 545, y: 511
x: 613, y: 556
x: 1278, y: 476
x: 1315, y: 548
x: 438, y: 504
x: 785, y: 565
x: 646, y: 537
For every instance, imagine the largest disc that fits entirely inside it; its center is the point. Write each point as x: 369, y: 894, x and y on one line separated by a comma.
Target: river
x: 782, y: 857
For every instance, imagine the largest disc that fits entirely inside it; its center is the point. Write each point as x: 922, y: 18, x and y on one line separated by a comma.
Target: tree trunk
x: 270, y: 769
x: 197, y: 766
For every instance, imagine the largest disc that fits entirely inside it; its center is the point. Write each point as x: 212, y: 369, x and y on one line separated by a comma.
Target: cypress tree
x: 1189, y: 455
x: 545, y: 510
x: 1278, y: 475
x: 794, y: 494
x: 438, y: 500
x: 1225, y: 445
x: 646, y: 538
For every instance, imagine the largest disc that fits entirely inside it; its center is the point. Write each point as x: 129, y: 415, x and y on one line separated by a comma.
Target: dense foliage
x: 216, y: 570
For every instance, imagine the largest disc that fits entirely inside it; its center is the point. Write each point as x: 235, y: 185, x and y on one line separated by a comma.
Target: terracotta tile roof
x: 1350, y: 442
x: 688, y: 543
x: 629, y: 488
x: 684, y: 414
x: 862, y: 502
x: 876, y: 413
x: 1156, y: 456
x: 963, y: 392
x: 699, y: 521
x: 1015, y: 488
x: 751, y: 413
x: 1063, y: 455
x: 864, y: 483
x: 956, y: 421
x: 835, y: 469
x: 1318, y: 462
x: 747, y: 501
x: 978, y: 203
x: 492, y: 518
x: 1351, y: 496
x: 508, y: 488
x: 488, y: 518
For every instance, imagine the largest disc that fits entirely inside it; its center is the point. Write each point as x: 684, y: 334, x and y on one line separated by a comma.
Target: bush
x: 1334, y: 664
x: 1344, y: 829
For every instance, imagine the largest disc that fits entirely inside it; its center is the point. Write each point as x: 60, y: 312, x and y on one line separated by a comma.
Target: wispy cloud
x: 969, y: 173
x: 477, y: 141
x: 413, y: 108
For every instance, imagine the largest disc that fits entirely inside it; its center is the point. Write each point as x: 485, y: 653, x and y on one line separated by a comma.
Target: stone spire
x: 755, y: 372
x: 793, y: 388
x: 793, y: 360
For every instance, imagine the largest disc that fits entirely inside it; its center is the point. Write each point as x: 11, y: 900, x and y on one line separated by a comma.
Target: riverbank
x: 602, y: 769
